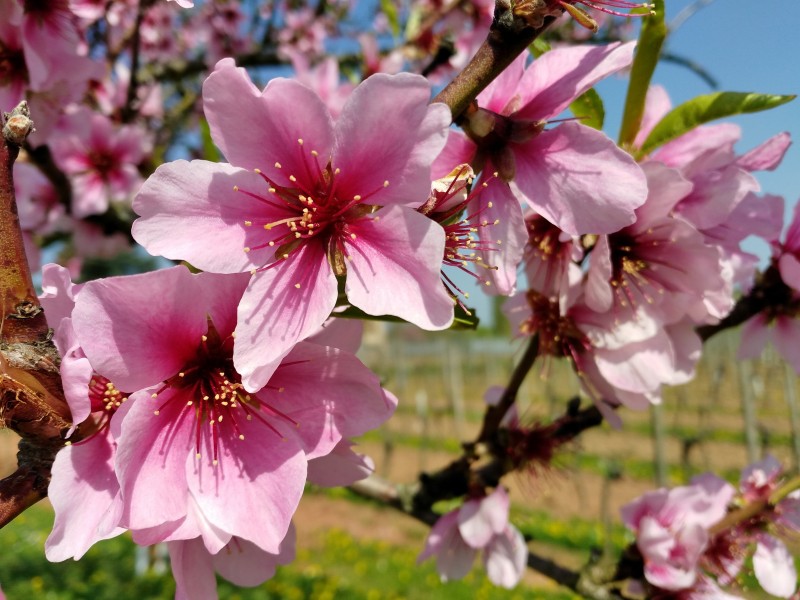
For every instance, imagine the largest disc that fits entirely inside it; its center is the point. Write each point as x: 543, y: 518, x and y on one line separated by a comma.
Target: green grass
x: 341, y: 568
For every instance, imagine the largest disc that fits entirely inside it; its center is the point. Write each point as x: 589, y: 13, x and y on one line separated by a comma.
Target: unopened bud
x: 18, y: 124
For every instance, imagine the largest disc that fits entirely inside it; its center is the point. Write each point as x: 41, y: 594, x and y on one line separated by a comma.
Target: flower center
x: 211, y: 390
x: 558, y: 334
x: 309, y: 207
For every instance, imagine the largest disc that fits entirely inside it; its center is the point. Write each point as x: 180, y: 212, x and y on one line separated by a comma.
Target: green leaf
x: 651, y: 38
x: 210, y: 151
x: 464, y: 319
x: 539, y: 47
x: 588, y: 107
x: 703, y: 109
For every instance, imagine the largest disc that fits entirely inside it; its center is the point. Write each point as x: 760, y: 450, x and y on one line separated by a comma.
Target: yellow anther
x: 278, y: 165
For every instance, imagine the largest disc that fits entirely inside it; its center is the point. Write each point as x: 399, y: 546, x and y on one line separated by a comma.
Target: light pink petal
x: 767, y: 156
x: 453, y: 557
x: 715, y: 196
x: 501, y: 95
x: 84, y: 494
x: 58, y: 293
x: 262, y: 474
x: 344, y: 334
x: 639, y: 367
x: 774, y: 567
x: 405, y: 149
x: 340, y: 468
x: 789, y: 267
x: 505, y: 233
x: 330, y: 394
x: 190, y: 211
x: 557, y: 77
x: 76, y: 373
x: 702, y: 149
x: 481, y: 519
x: 755, y: 334
x: 599, y: 295
x: 192, y: 570
x: 140, y: 329
x: 505, y: 558
x: 458, y: 150
x: 151, y: 459
x: 657, y: 104
x: 578, y: 179
x: 255, y: 130
x: 246, y: 565
x: 666, y: 188
x: 281, y: 306
x: 785, y: 336
x: 394, y: 268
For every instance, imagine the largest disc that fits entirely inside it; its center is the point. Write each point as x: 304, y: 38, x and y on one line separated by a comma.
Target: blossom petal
x: 481, y: 519
x: 192, y: 570
x: 403, y: 151
x: 190, y: 211
x: 246, y: 565
x: 505, y: 558
x: 578, y: 179
x: 140, y: 329
x: 557, y: 77
x: 774, y: 567
x: 256, y: 130
x: 84, y: 494
x: 395, y: 266
x: 282, y: 305
x: 341, y: 467
x: 262, y: 474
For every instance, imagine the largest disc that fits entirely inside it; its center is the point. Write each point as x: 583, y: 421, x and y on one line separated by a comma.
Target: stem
x: 507, y: 39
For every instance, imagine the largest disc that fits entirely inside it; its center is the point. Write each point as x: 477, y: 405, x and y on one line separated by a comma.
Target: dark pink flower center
x: 311, y: 207
x: 558, y: 334
x: 12, y: 66
x: 211, y: 390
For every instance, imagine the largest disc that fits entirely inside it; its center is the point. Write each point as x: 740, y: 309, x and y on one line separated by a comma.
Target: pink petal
x: 58, y: 293
x: 505, y: 558
x: 500, y: 95
x: 774, y: 567
x: 767, y: 156
x: 458, y: 150
x: 330, y: 394
x: 151, y: 459
x: 557, y: 77
x: 505, y: 233
x: 256, y: 129
x: 577, y: 178
x: 262, y: 474
x: 755, y: 334
x: 481, y: 519
x: 785, y: 336
x: 281, y: 306
x: 246, y: 565
x: 344, y: 334
x: 140, y: 329
x: 453, y: 557
x: 715, y: 196
x: 340, y: 468
x: 395, y: 268
x: 599, y: 295
x: 789, y: 267
x: 403, y: 152
x: 84, y: 494
x: 192, y: 570
x: 657, y: 105
x: 702, y: 149
x: 183, y: 202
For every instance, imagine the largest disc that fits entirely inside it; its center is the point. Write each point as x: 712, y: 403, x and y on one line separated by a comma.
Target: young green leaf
x: 703, y: 109
x: 588, y: 107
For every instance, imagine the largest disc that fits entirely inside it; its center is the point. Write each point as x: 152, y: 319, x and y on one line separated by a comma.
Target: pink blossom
x: 101, y: 161
x: 659, y: 261
x: 572, y: 175
x: 213, y: 454
x: 480, y: 524
x: 671, y: 528
x: 309, y: 212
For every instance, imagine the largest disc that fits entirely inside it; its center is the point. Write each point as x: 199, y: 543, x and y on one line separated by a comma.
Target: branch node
x: 18, y: 124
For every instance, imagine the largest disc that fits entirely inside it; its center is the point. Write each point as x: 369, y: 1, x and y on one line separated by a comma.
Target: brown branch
x: 508, y: 37
x: 31, y: 398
